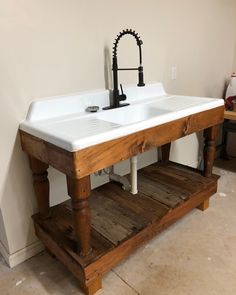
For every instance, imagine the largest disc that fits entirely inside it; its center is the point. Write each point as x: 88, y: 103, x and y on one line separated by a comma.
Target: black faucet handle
x: 122, y: 96
x: 121, y: 88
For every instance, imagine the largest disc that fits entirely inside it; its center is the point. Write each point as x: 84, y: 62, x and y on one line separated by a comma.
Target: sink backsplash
x: 52, y: 107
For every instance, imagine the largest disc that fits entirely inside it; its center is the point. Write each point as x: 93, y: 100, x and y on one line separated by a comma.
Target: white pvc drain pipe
x: 134, y: 176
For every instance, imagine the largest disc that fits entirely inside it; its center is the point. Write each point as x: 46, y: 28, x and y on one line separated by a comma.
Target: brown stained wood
x: 61, y: 228
x: 113, y: 257
x: 169, y: 196
x: 103, y: 258
x: 194, y: 201
x: 204, y: 205
x: 59, y: 252
x: 50, y: 154
x: 86, y: 161
x: 178, y: 171
x: 165, y: 152
x: 114, y: 151
x: 170, y: 180
x: 114, y: 221
x: 160, y: 180
x: 104, y: 263
x: 41, y: 186
x: 94, y: 286
x: 79, y: 191
x: 71, y: 264
x: 166, y: 192
x: 143, y: 205
x: 210, y: 135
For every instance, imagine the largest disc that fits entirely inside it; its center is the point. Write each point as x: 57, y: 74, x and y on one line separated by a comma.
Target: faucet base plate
x: 116, y: 106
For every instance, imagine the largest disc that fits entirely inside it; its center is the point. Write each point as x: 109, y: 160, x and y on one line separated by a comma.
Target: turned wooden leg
x: 204, y: 205
x: 41, y: 186
x: 210, y: 135
x: 79, y: 191
x: 165, y: 152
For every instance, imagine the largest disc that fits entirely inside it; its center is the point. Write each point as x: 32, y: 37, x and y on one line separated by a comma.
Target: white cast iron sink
x: 131, y: 114
x: 63, y: 121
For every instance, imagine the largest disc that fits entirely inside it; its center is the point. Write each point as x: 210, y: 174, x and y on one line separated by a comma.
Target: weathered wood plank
x: 181, y: 173
x: 127, y: 247
x: 156, y: 189
x: 118, y: 227
x: 140, y: 204
x: 185, y: 184
x: 190, y: 172
x: 76, y: 268
x: 61, y: 227
x: 98, y: 242
x: 114, y: 221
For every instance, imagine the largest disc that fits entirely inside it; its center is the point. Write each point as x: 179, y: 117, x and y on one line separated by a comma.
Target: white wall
x: 58, y: 47
x: 3, y: 236
x: 234, y: 63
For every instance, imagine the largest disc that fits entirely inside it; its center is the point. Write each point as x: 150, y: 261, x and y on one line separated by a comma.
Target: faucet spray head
x: 140, y: 77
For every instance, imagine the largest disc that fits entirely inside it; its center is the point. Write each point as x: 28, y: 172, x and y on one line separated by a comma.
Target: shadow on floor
x: 229, y: 165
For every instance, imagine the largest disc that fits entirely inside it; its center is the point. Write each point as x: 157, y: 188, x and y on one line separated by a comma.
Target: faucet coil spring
x: 121, y: 34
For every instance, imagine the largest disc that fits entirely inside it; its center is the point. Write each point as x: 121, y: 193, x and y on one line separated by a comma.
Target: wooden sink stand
x: 96, y: 230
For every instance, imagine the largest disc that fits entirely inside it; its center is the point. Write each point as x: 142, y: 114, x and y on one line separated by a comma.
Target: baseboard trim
x: 194, y: 164
x: 21, y: 255
x: 3, y: 251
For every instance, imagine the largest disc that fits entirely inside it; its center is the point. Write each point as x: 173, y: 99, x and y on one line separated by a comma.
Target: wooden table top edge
x: 86, y: 161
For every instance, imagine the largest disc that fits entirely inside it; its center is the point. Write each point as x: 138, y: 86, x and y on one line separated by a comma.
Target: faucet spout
x: 117, y: 97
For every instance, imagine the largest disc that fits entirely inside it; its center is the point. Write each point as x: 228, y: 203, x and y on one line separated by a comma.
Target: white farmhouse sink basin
x: 130, y: 114
x: 64, y: 122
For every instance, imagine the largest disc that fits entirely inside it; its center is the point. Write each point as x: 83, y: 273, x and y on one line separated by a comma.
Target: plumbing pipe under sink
x: 133, y: 175
x: 118, y: 178
x: 133, y: 187
x: 121, y: 179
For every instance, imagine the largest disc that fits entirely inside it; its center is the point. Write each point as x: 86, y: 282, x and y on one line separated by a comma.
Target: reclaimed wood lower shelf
x: 121, y: 222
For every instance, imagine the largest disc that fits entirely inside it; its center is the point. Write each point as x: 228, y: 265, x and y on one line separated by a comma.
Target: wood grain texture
x: 112, y: 220
x: 105, y: 154
x: 50, y: 154
x: 41, y: 186
x: 138, y: 218
x: 210, y: 135
x: 120, y: 222
x: 204, y: 205
x: 165, y: 152
x: 86, y: 161
x: 110, y: 259
x: 79, y: 191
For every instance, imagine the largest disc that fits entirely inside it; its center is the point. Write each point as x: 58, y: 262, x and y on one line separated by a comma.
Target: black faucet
x: 117, y: 97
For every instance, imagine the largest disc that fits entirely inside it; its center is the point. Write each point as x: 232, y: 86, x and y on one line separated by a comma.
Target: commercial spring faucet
x: 117, y: 97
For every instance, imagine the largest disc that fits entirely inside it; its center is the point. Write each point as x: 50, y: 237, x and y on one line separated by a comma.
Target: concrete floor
x: 195, y: 256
